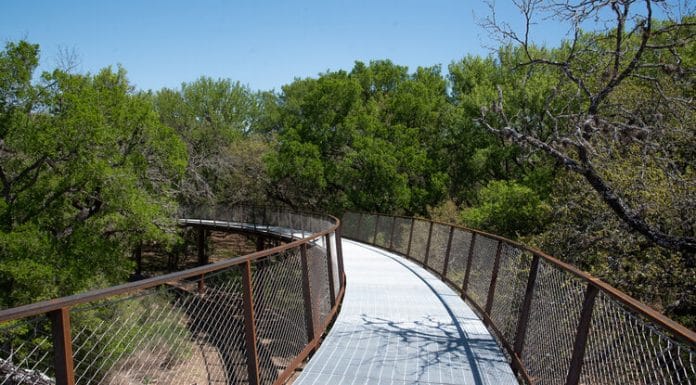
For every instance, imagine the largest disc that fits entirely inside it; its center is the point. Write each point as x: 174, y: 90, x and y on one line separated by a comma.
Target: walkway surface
x: 400, y: 325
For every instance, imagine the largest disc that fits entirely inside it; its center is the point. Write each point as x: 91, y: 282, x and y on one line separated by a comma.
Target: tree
x: 87, y: 172
x: 363, y: 139
x: 217, y: 120
x: 625, y: 92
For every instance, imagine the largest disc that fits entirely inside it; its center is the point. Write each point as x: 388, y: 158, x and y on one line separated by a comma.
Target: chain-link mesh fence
x: 536, y: 308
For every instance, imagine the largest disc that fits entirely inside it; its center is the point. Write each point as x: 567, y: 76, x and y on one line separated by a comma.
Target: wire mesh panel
x: 555, y: 310
x: 280, y: 317
x: 419, y: 240
x: 623, y: 348
x: 402, y: 229
x: 383, y: 234
x: 319, y: 285
x: 26, y: 352
x: 459, y: 252
x: 482, y: 263
x: 350, y: 225
x: 177, y: 334
x: 513, y: 273
x: 366, y: 230
x: 438, y: 247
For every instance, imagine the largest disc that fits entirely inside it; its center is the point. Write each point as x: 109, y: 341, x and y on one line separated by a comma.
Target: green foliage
x: 586, y: 234
x: 361, y: 140
x: 87, y: 172
x: 507, y: 208
x: 217, y: 120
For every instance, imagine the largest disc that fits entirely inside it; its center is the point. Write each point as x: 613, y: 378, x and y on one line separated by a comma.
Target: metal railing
x: 246, y: 320
x: 557, y: 324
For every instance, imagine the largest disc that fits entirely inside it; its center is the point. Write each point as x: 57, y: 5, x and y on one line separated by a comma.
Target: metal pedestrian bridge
x: 369, y: 299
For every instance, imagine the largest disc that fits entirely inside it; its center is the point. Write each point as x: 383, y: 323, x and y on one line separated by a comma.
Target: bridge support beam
x: 307, y: 294
x: 339, y: 252
x: 526, y: 307
x: 470, y: 258
x: 62, y: 346
x: 494, y: 278
x: 252, y: 355
x: 427, y: 245
x: 583, y: 330
x: 202, y: 257
x: 329, y: 268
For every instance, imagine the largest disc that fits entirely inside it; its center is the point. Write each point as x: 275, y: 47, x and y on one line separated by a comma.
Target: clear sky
x: 262, y: 44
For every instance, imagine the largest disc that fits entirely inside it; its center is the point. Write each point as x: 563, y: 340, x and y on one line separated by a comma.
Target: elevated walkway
x: 399, y: 324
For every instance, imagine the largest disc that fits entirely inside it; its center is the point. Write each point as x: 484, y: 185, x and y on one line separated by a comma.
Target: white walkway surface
x: 400, y: 325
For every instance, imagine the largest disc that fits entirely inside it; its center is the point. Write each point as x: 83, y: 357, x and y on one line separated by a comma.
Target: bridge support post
x: 410, y: 238
x: 465, y: 284
x: 307, y: 294
x: 329, y: 268
x: 202, y: 258
x: 62, y: 346
x: 581, y: 335
x: 391, y: 234
x: 138, y: 256
x: 339, y: 252
x: 526, y: 307
x: 494, y: 279
x: 252, y: 355
x: 427, y: 245
x: 448, y: 251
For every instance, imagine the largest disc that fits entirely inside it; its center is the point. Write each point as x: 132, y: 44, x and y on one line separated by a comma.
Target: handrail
x: 603, y: 334
x: 316, y: 245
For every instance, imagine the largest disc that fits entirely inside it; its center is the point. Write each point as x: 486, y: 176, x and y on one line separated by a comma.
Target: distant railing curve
x: 246, y: 320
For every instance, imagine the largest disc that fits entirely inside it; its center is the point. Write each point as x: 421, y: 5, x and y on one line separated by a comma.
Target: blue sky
x: 262, y: 44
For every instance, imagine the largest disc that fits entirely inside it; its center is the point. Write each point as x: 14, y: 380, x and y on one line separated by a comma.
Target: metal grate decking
x: 399, y: 324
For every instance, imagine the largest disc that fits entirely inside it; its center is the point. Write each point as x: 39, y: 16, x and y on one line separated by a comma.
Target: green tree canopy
x: 361, y: 139
x: 217, y: 120
x: 87, y: 172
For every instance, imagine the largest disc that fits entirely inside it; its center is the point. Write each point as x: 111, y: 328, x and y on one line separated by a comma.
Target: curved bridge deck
x: 399, y: 324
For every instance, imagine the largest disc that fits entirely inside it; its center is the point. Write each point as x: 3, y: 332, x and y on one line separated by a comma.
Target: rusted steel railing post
x: 138, y: 256
x: 391, y: 234
x: 427, y: 245
x: 374, y: 236
x: 526, y: 307
x: 494, y: 278
x: 329, y: 267
x: 470, y: 257
x: 581, y: 335
x: 339, y: 251
x: 202, y: 258
x: 260, y: 243
x: 200, y: 244
x: 62, y: 346
x: 307, y: 294
x: 447, y: 252
x: 410, y: 237
x: 250, y: 326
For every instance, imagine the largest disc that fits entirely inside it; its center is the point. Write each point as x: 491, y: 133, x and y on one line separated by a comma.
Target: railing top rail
x: 674, y: 327
x: 94, y: 295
